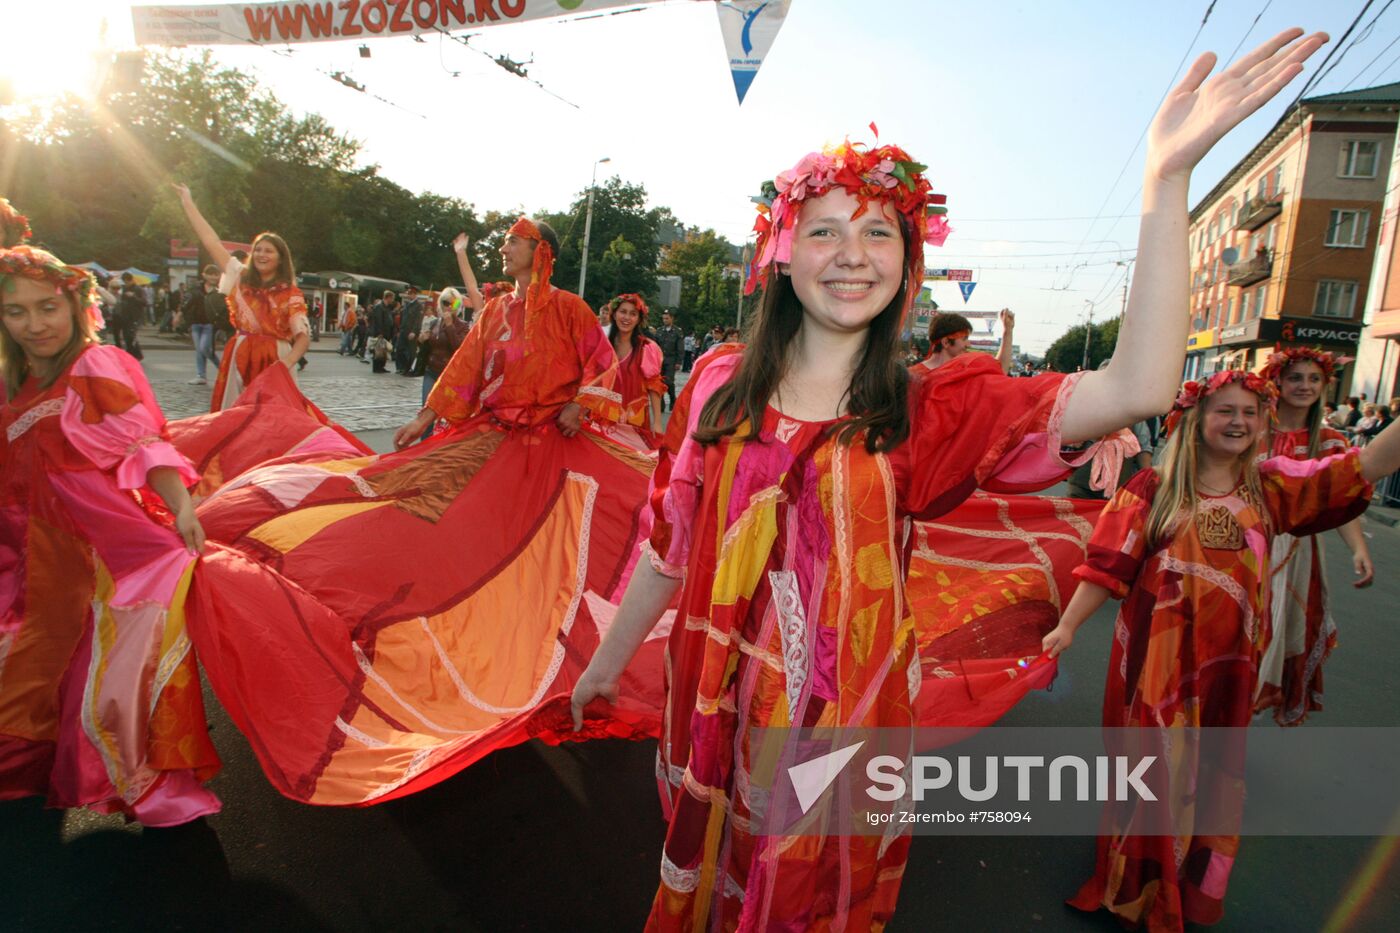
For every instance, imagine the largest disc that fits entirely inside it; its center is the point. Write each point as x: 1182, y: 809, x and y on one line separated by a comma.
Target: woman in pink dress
x: 100, y: 702
x: 638, y: 364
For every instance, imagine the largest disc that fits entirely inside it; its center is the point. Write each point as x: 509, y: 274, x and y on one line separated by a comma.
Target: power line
x: 1257, y: 16
x: 339, y: 77
x: 1322, y: 67
x: 1143, y: 135
x: 505, y: 62
x: 1362, y: 37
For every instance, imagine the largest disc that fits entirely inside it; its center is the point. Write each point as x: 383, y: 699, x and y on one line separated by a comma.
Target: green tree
x: 1067, y: 353
x: 708, y: 295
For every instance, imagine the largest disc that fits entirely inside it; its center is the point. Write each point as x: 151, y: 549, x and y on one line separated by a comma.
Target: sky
x: 1027, y: 114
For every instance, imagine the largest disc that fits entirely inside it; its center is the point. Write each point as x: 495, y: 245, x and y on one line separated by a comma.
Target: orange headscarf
x: 543, y: 268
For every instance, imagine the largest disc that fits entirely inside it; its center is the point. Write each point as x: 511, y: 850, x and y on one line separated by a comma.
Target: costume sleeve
x: 597, y: 392
x: 111, y: 417
x: 676, y: 483
x: 297, y: 320
x: 456, y: 396
x: 229, y: 280
x: 1119, y: 543
x: 651, y: 368
x: 1305, y: 497
x: 973, y: 426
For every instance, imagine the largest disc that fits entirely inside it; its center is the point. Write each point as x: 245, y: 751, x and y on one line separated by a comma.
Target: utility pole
x: 1127, y: 277
x: 1088, y: 332
x: 739, y: 310
x: 588, y: 226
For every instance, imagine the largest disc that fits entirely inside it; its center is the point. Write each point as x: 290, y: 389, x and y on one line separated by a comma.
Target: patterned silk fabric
x: 267, y: 320
x: 1185, y: 649
x: 419, y: 609
x: 523, y: 365
x: 100, y: 701
x: 794, y: 612
x: 1302, y: 632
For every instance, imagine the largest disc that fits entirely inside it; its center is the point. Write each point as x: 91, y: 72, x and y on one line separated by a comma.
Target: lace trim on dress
x: 33, y: 416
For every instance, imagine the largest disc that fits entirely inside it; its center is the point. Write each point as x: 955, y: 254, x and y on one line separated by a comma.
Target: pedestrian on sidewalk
x: 381, y: 329
x: 672, y: 343
x: 196, y: 315
x: 346, y: 323
x: 131, y: 311
x: 406, y: 340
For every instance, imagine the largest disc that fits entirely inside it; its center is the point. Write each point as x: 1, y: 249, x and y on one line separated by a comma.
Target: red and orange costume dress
x: 266, y: 321
x: 1186, y: 650
x: 1301, y: 633
x: 794, y: 612
x: 398, y: 617
x: 638, y: 378
x: 100, y: 701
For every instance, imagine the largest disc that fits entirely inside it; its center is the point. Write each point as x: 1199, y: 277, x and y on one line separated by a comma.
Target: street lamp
x: 588, y: 226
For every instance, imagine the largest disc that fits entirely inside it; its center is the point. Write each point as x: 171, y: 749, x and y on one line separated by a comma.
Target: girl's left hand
x: 1198, y: 112
x: 1365, y: 570
x: 189, y: 529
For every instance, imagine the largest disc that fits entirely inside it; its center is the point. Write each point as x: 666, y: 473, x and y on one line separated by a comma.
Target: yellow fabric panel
x: 293, y: 529
x: 500, y: 642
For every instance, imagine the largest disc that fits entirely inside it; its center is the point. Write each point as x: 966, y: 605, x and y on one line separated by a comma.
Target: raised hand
x: 182, y: 191
x: 1008, y: 318
x: 459, y: 243
x: 1199, y: 111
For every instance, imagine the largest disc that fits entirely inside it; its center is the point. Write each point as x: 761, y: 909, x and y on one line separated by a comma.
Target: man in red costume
x: 537, y: 353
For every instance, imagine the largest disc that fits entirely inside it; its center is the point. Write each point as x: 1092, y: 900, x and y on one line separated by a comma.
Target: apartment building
x: 1378, y: 357
x: 1282, y: 248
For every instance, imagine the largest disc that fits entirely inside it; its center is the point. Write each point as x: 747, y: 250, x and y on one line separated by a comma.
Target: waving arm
x: 1142, y: 379
x: 207, y: 237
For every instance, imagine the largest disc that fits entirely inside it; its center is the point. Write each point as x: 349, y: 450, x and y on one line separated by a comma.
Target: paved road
x: 555, y: 839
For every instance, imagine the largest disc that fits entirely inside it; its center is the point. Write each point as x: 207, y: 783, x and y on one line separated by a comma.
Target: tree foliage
x: 95, y: 179
x: 1067, y: 353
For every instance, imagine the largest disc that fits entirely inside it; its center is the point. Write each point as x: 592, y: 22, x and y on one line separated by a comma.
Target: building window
x: 1347, y: 228
x: 1358, y: 159
x: 1261, y: 294
x: 1244, y: 305
x: 1229, y: 318
x: 1335, y: 298
x: 1277, y: 185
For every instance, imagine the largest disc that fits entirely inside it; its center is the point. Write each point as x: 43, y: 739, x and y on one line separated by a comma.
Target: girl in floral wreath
x: 265, y: 306
x: 638, y: 363
x: 100, y: 702
x: 788, y: 474
x: 1301, y: 633
x: 1186, y: 547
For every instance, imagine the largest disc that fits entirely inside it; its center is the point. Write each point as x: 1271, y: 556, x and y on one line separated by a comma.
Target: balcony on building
x: 1253, y: 270
x: 1256, y: 212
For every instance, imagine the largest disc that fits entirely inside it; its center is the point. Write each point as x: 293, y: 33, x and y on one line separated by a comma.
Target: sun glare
x: 41, y: 63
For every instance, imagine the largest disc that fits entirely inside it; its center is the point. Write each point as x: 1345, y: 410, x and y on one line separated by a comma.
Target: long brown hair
x: 1313, y: 420
x: 286, y: 273
x: 14, y: 365
x: 877, y: 399
x: 1176, y: 499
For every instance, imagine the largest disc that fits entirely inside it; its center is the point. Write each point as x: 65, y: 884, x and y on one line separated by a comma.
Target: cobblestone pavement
x: 344, y: 388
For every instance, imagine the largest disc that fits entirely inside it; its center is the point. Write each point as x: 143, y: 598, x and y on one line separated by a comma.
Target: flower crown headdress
x: 886, y: 174
x: 1282, y: 358
x: 635, y: 299
x: 18, y: 258
x: 1193, y: 393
